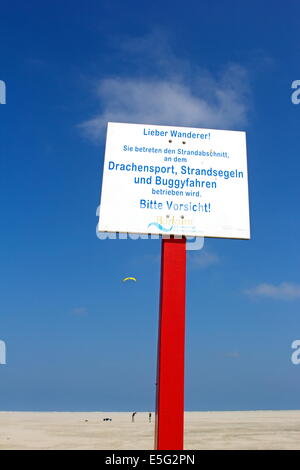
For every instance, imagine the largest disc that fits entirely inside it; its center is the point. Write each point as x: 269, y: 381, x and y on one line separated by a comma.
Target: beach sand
x: 203, y: 430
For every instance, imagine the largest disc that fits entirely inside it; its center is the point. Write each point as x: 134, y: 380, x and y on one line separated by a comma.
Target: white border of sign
x: 167, y: 180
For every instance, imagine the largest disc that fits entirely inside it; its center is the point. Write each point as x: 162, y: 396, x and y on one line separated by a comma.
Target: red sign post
x: 169, y: 419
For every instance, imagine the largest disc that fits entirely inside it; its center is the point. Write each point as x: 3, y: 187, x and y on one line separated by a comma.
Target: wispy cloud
x: 203, y: 260
x: 175, y: 93
x: 232, y: 354
x: 79, y: 311
x: 283, y: 291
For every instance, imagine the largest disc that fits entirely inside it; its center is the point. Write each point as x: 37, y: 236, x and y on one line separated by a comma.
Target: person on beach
x: 132, y: 417
x: 150, y: 417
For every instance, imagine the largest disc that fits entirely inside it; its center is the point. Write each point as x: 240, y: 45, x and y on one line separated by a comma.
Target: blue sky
x: 78, y: 338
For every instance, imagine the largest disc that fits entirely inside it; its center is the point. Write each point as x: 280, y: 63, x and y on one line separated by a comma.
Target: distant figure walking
x: 132, y: 417
x: 150, y: 417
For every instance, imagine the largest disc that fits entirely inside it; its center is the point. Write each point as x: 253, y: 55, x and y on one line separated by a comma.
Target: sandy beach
x: 203, y: 430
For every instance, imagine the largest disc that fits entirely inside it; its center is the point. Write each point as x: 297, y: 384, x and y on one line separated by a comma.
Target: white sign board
x: 175, y: 180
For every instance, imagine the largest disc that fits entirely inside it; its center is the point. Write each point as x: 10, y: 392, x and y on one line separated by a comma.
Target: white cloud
x: 173, y: 92
x: 233, y: 354
x: 203, y: 260
x: 283, y: 291
x: 79, y: 311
